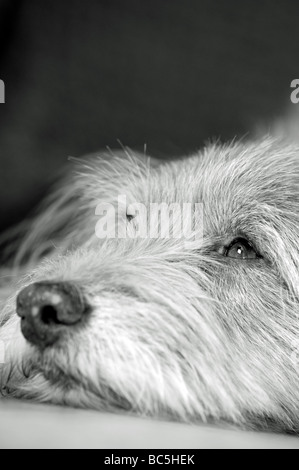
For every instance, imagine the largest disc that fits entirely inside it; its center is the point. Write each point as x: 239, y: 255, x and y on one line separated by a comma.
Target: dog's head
x: 190, y: 313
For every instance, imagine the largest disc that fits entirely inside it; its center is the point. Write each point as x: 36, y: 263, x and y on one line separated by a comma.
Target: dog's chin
x: 41, y: 379
x: 36, y: 375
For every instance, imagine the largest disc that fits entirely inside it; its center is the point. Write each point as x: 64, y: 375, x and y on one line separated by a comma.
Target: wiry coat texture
x: 177, y: 328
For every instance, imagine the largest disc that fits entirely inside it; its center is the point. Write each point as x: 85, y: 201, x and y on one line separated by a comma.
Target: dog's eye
x: 240, y: 248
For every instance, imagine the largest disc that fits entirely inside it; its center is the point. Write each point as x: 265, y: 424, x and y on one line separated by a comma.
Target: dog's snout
x: 47, y: 308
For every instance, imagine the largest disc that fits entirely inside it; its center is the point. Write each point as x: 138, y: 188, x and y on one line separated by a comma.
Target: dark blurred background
x: 169, y: 73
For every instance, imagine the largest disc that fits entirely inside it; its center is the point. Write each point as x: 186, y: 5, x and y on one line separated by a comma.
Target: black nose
x: 48, y: 308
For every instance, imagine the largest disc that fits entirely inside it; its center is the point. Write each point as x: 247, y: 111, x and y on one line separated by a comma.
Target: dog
x: 200, y: 327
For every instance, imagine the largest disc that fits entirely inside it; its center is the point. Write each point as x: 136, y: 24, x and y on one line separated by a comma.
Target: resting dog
x: 197, y: 327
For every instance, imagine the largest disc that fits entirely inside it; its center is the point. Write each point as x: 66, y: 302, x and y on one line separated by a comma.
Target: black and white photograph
x: 149, y: 227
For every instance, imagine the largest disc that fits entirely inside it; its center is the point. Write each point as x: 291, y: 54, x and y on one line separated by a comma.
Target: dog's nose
x: 46, y: 309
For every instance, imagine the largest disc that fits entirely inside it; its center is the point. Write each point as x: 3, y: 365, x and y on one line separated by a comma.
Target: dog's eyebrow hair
x: 242, y: 237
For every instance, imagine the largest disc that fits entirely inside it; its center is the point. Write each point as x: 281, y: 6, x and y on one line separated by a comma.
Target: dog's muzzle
x: 47, y: 309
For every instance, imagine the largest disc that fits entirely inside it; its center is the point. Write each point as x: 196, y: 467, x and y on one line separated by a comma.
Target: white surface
x: 26, y: 425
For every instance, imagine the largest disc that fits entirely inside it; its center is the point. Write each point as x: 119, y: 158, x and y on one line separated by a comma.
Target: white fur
x: 177, y: 329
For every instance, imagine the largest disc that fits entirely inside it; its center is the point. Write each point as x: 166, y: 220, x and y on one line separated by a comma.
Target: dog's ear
x: 66, y: 218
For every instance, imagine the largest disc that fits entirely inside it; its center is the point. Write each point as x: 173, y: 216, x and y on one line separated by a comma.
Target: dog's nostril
x: 49, y: 315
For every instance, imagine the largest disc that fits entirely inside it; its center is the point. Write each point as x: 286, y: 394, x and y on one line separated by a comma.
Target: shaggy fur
x: 178, y: 328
